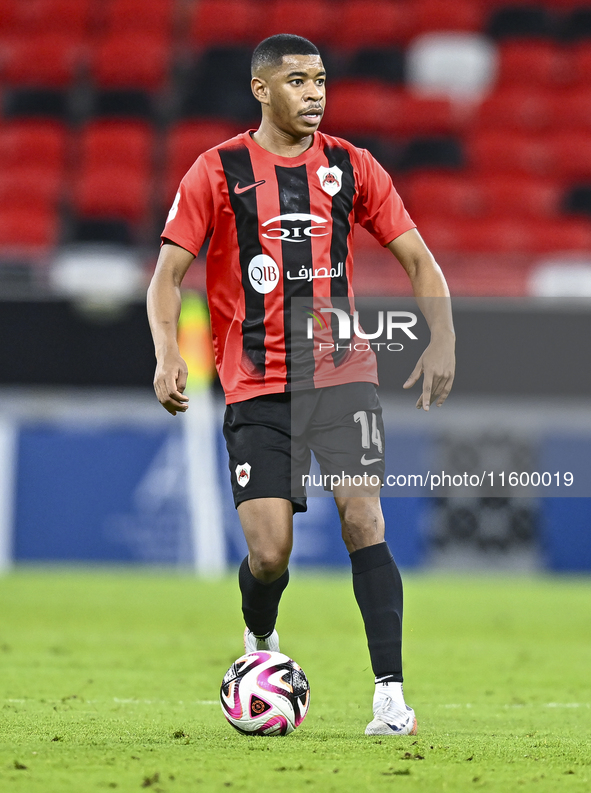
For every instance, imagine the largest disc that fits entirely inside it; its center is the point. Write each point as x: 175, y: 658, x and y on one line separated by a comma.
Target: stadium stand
x: 577, y: 24
x: 378, y: 63
x: 33, y: 228
x: 481, y: 113
x: 224, y: 22
x: 32, y: 181
x: 127, y: 144
x: 46, y: 16
x: 315, y: 19
x: 532, y: 62
x: 156, y: 17
x: 32, y: 143
x: 113, y: 177
x: 382, y: 24
x: 515, y: 107
x: 214, y: 85
x: 130, y: 60
x: 185, y: 142
x: 124, y: 103
x: 520, y: 20
x: 461, y: 15
x: 39, y: 60
x: 111, y: 192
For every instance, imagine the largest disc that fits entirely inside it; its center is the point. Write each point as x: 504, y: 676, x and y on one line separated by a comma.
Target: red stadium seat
x: 473, y: 235
x: 28, y: 226
x: 69, y: 18
x: 154, y: 17
x: 113, y: 192
x: 226, y: 22
x: 30, y: 143
x: 114, y: 174
x: 503, y: 196
x: 9, y: 15
x: 314, y: 19
x: 505, y: 235
x: 406, y: 114
x: 561, y: 235
x: 108, y: 143
x: 441, y: 15
x: 571, y: 151
x: 130, y: 60
x: 443, y: 195
x: 532, y: 62
x: 562, y: 155
x: 355, y: 106
x: 501, y: 151
x: 572, y: 109
x: 33, y: 185
x: 516, y: 107
x: 359, y: 23
x: 581, y: 63
x: 439, y: 232
x: 369, y: 106
x: 482, y: 235
x: 51, y: 61
x: 519, y: 195
x: 186, y: 141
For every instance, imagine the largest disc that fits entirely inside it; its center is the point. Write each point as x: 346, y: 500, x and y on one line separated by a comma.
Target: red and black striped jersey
x: 281, y: 231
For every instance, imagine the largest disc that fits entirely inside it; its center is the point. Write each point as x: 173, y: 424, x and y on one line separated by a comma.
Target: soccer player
x: 279, y: 205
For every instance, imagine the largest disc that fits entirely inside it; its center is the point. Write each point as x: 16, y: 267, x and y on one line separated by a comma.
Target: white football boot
x: 391, y: 716
x: 252, y: 644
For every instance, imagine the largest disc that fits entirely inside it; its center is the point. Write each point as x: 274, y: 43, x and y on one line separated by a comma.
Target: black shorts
x: 269, y: 439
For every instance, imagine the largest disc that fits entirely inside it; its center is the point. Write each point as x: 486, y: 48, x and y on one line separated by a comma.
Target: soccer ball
x: 265, y: 693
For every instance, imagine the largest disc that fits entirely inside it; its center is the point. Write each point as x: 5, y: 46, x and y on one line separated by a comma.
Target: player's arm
x: 437, y: 363
x: 164, y: 308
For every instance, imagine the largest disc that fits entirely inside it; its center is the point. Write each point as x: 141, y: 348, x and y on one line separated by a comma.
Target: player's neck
x: 276, y: 141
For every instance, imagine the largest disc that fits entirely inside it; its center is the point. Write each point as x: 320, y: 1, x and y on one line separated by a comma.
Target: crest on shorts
x: 331, y: 179
x: 243, y: 474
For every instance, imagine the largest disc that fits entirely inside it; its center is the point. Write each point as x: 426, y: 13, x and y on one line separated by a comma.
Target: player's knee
x: 359, y: 516
x: 361, y: 524
x: 269, y: 564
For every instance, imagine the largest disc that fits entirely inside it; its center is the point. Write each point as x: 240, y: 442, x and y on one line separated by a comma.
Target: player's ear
x: 260, y: 90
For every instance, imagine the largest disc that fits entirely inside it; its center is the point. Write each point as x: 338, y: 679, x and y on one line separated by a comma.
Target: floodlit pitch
x: 110, y: 680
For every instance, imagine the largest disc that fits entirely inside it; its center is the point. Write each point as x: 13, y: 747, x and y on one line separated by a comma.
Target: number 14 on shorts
x: 362, y: 419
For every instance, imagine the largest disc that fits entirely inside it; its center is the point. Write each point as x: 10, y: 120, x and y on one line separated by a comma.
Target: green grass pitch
x: 109, y: 680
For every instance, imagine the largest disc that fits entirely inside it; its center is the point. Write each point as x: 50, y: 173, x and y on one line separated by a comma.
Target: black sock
x: 260, y: 601
x: 378, y: 591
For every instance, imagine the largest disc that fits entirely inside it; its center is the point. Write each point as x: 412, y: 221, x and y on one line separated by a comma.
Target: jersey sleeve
x: 379, y: 208
x: 190, y: 219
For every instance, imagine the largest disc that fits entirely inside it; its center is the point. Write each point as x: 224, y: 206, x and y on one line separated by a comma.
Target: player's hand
x: 437, y: 365
x: 170, y: 382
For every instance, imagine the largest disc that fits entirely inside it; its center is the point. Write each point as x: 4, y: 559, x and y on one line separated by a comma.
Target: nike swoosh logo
x: 238, y: 189
x: 369, y: 462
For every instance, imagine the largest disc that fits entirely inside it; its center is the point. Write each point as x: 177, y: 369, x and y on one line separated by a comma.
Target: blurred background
x: 480, y: 111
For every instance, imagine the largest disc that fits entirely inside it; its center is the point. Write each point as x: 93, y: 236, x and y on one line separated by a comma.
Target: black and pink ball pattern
x: 265, y: 693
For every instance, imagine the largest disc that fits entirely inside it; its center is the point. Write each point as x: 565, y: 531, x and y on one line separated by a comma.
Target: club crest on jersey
x: 331, y: 179
x: 243, y: 474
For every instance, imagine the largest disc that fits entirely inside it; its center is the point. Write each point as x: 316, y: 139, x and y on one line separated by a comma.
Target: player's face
x: 296, y: 94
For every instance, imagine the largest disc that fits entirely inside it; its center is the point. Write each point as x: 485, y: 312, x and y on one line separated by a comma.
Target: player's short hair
x: 270, y: 51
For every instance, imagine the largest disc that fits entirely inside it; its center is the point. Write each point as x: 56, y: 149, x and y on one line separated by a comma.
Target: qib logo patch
x: 331, y: 179
x: 243, y: 474
x: 263, y: 274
